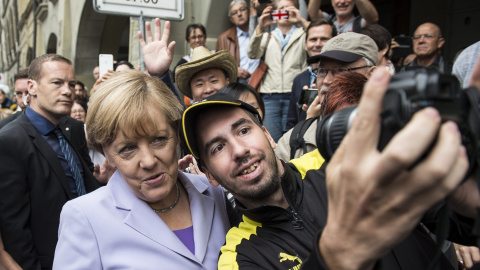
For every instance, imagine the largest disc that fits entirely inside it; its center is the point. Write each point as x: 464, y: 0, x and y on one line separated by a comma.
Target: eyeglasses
x: 322, y: 72
x: 77, y: 111
x: 196, y: 37
x: 426, y: 36
x: 235, y: 12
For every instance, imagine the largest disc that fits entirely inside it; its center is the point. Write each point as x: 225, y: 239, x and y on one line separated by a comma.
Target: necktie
x: 68, y: 152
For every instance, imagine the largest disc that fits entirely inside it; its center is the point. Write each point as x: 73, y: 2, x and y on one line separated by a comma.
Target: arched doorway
x: 99, y: 34
x: 52, y: 44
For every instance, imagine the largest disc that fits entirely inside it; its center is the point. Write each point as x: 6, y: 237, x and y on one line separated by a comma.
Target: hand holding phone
x: 404, y: 46
x: 279, y: 14
x: 307, y: 96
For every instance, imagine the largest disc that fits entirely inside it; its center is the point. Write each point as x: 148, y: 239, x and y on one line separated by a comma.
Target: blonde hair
x: 130, y: 102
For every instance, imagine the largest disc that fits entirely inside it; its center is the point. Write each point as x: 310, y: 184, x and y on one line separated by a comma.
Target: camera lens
x: 331, y: 130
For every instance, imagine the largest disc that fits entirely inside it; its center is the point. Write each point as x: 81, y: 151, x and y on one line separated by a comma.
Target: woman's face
x: 196, y: 38
x: 148, y: 164
x: 250, y: 99
x: 78, y: 112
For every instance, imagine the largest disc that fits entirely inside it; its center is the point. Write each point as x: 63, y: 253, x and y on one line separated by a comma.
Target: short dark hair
x: 123, y: 62
x: 81, y: 102
x: 81, y: 84
x: 35, y: 68
x: 194, y: 26
x: 22, y: 74
x: 318, y: 22
x: 380, y: 35
x: 236, y: 90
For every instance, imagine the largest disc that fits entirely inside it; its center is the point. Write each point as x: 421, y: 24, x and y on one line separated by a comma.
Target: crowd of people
x: 214, y: 164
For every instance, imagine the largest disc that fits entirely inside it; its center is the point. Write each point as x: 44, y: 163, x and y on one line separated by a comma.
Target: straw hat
x: 202, y: 59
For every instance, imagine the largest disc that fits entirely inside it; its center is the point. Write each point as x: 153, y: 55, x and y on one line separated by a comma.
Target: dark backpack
x: 296, y: 138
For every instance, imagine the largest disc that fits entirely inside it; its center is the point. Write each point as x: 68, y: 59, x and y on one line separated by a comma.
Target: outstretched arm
x: 264, y: 21
x: 296, y: 17
x: 157, y: 53
x: 367, y: 11
x: 375, y: 198
x: 314, y: 10
x: 466, y: 200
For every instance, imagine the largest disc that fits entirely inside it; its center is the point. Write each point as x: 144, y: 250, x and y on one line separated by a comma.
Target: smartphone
x: 105, y: 63
x: 405, y: 47
x: 307, y: 96
x: 279, y: 14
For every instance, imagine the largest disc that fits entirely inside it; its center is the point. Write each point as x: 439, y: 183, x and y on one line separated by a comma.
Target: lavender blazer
x: 113, y: 229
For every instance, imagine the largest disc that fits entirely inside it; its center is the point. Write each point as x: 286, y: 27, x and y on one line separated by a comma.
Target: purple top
x: 186, y: 236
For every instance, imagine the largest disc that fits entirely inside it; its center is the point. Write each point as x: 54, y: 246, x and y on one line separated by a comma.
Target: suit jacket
x: 9, y: 119
x: 112, y: 228
x: 294, y: 116
x: 228, y: 40
x: 33, y: 189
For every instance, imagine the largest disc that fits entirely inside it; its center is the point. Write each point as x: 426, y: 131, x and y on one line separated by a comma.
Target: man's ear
x: 210, y: 177
x: 227, y: 80
x: 269, y: 137
x: 32, y: 87
x: 371, y: 70
x: 441, y: 41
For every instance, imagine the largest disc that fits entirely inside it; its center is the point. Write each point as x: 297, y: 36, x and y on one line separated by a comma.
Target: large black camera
x: 408, y: 93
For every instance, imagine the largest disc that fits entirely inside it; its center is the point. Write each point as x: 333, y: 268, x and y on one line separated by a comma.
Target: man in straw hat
x: 206, y: 73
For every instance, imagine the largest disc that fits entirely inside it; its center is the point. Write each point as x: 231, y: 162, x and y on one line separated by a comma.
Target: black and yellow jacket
x: 272, y: 237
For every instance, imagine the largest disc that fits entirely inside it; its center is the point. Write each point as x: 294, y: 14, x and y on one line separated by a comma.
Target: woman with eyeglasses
x: 196, y: 35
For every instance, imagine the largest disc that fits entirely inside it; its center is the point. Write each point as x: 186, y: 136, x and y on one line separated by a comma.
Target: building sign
x: 164, y: 9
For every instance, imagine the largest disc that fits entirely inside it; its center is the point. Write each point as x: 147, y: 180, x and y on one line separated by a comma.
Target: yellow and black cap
x: 191, y: 114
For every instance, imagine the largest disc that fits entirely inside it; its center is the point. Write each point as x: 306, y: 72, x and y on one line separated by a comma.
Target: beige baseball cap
x: 348, y: 47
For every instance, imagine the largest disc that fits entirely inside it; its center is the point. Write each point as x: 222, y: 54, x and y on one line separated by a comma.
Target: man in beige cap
x: 345, y: 52
x: 206, y: 73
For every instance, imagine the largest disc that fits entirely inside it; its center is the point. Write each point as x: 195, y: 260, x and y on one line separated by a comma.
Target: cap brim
x: 191, y: 113
x: 342, y: 56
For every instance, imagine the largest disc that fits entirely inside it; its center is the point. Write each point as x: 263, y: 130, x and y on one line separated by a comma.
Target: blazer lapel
x: 46, y: 151
x: 66, y: 129
x: 143, y: 219
x: 202, y: 208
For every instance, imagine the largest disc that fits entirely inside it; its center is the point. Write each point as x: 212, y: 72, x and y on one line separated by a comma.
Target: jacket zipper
x: 299, y: 224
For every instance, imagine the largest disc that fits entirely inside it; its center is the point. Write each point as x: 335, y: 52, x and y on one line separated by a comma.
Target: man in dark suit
x: 44, y: 163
